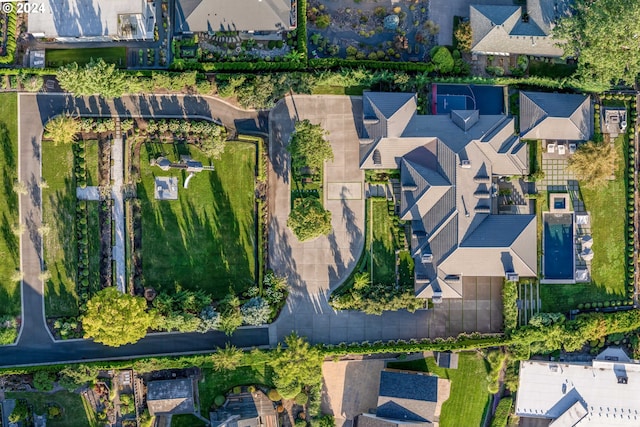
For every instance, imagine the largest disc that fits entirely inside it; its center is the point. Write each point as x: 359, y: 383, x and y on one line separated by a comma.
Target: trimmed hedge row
x: 82, y: 227
x: 630, y: 160
x: 12, y: 19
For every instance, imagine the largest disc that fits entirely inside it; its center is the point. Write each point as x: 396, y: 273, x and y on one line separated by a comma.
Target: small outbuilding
x: 446, y: 359
x: 246, y: 409
x: 166, y: 188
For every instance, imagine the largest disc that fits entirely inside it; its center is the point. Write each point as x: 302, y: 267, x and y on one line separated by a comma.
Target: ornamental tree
x: 62, y: 129
x: 296, y: 366
x: 95, y: 78
x: 308, y: 146
x: 308, y: 219
x: 593, y: 163
x: 115, y: 319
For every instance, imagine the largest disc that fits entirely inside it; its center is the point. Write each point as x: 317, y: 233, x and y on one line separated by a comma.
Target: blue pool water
x: 558, y: 246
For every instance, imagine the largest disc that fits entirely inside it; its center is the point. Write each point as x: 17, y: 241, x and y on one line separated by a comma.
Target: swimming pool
x: 558, y: 258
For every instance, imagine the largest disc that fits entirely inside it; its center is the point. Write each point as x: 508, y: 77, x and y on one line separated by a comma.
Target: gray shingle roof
x: 558, y: 116
x: 236, y: 15
x: 170, y: 396
x: 447, y: 202
x: 407, y: 396
x: 501, y: 30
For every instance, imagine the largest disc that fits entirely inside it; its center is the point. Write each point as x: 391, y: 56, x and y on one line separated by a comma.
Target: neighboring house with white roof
x: 602, y: 393
x: 512, y: 30
x: 448, y: 164
x: 94, y: 20
x: 556, y: 116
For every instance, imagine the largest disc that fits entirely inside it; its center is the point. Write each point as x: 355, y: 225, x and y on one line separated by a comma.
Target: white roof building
x: 603, y: 393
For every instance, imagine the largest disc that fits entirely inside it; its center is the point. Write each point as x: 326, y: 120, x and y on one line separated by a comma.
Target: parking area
x: 480, y: 310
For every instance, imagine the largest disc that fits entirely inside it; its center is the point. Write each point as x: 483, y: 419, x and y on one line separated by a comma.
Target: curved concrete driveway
x: 316, y: 268
x: 35, y: 345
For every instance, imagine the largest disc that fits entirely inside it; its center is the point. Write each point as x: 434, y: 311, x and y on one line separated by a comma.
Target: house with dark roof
x: 171, y: 397
x: 407, y: 398
x: 448, y: 168
x: 249, y: 16
x: 512, y: 30
x: 555, y: 116
x: 246, y: 409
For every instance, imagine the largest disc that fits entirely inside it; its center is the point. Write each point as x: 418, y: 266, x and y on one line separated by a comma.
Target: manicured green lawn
x: 558, y: 298
x: 9, y: 242
x: 60, y: 245
x: 206, y: 238
x: 186, y: 420
x: 383, y: 246
x: 218, y: 383
x: 608, y: 215
x: 91, y: 159
x: 74, y: 413
x: 111, y: 55
x: 546, y: 69
x: 469, y: 396
x: 93, y: 213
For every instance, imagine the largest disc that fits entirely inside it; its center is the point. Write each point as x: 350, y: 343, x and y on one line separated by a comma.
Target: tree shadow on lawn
x: 63, y: 235
x: 194, y: 251
x: 10, y: 239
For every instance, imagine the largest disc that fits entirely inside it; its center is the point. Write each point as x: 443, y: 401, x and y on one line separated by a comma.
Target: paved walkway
x: 316, y: 268
x: 117, y: 177
x: 35, y: 344
x: 88, y: 193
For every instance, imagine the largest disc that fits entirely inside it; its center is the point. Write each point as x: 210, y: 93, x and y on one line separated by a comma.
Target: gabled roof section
x: 465, y: 119
x: 422, y: 188
x: 501, y: 29
x: 238, y: 15
x: 387, y: 153
x: 407, y: 396
x: 555, y: 116
x: 499, y: 244
x: 386, y: 114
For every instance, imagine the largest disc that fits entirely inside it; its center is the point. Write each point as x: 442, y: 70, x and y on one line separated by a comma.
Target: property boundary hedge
x: 12, y: 18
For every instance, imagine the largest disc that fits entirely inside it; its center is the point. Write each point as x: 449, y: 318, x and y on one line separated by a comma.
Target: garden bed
x: 73, y: 411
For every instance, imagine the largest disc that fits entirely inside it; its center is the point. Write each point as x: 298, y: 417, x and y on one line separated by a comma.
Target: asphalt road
x: 35, y: 344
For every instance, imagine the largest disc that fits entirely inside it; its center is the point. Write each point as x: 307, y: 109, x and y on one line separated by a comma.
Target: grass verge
x: 383, y: 245
x: 91, y: 159
x: 205, y: 239
x: 93, y: 213
x: 469, y: 396
x: 9, y: 242
x: 74, y: 412
x: 60, y: 245
x: 111, y: 55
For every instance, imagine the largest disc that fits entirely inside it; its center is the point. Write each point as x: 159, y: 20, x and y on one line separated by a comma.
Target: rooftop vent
x: 377, y: 158
x: 465, y: 164
x: 409, y: 187
x: 427, y: 258
x: 512, y: 277
x: 622, y: 379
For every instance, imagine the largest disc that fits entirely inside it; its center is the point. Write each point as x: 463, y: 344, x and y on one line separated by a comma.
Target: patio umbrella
x: 587, y: 241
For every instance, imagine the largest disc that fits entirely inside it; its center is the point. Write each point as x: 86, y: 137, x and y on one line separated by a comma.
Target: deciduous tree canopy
x: 605, y: 36
x: 308, y: 219
x: 308, y: 146
x: 62, y: 129
x: 115, y: 319
x: 593, y: 163
x: 95, y: 78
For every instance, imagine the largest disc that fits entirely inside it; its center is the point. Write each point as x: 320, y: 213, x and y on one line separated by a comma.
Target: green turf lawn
x: 60, y: 245
x: 206, y: 238
x: 91, y: 159
x: 219, y: 383
x: 469, y: 396
x: 186, y: 420
x: 608, y: 214
x: 383, y: 247
x: 9, y: 243
x: 111, y: 55
x: 74, y: 413
x: 93, y: 221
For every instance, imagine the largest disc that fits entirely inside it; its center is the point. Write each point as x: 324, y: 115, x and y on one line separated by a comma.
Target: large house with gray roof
x: 512, y: 30
x: 210, y: 16
x: 556, y: 116
x: 448, y: 166
x: 407, y: 398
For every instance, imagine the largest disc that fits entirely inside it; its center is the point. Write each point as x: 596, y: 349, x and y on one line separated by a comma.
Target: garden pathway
x: 117, y: 175
x: 316, y: 268
x: 35, y: 344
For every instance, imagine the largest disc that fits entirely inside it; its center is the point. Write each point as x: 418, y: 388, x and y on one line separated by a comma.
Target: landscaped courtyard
x: 204, y: 240
x: 73, y: 411
x: 9, y: 242
x: 469, y: 397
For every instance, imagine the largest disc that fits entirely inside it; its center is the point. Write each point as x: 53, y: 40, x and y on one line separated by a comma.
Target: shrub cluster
x: 90, y: 124
x: 8, y: 329
x: 82, y: 281
x: 503, y: 410
x: 12, y: 19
